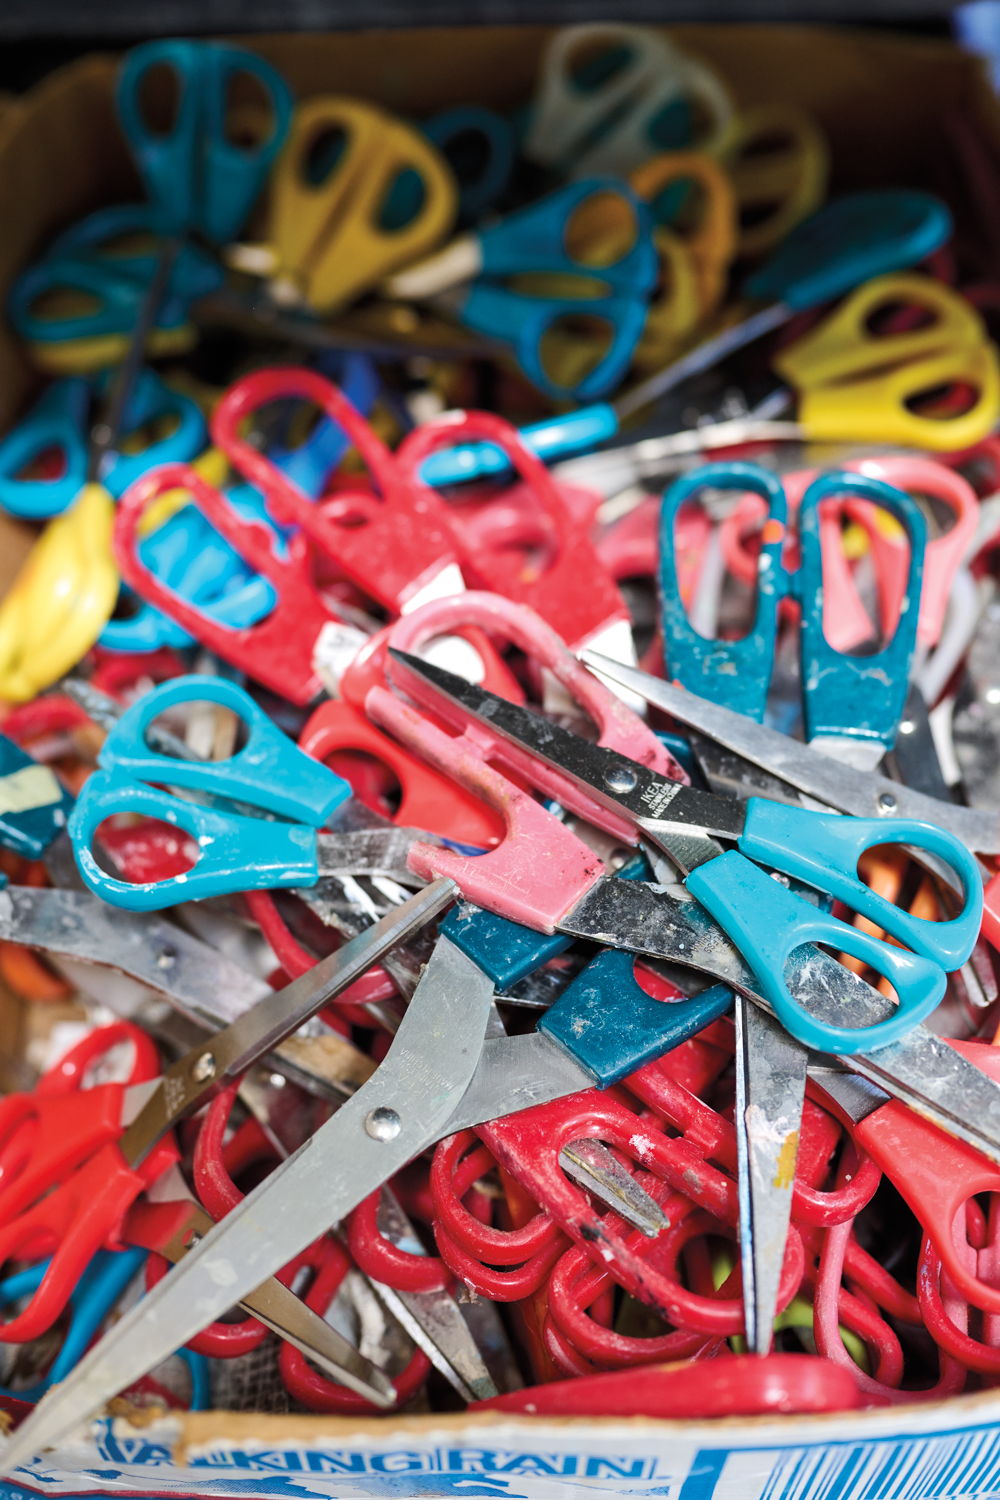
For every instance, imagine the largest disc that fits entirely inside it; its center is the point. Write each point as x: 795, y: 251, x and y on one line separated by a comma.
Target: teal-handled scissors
x: 851, y: 704
x: 242, y: 842
x: 205, y: 171
x: 762, y: 918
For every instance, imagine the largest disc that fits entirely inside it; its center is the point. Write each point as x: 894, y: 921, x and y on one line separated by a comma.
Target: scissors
x: 778, y: 161
x: 610, y: 96
x: 205, y: 171
x: 77, y: 307
x: 55, y: 432
x: 845, y: 244
x: 584, y: 252
x: 580, y: 902
x: 355, y: 194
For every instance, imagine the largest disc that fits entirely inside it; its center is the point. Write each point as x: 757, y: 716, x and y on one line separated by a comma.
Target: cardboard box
x: 880, y: 99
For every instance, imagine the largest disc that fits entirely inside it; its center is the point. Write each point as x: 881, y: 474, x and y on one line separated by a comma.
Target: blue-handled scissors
x: 589, y: 251
x: 76, y: 308
x: 762, y: 918
x: 206, y: 170
x: 848, y: 242
x: 478, y: 145
x: 58, y: 427
x: 851, y: 704
x: 193, y: 560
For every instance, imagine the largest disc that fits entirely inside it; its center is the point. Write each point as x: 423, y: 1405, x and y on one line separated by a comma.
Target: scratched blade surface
x: 921, y: 1070
x: 421, y: 1080
x: 369, y: 851
x: 770, y: 1092
x: 829, y: 781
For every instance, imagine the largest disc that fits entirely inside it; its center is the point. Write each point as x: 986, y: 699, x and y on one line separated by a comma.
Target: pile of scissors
x: 499, y: 810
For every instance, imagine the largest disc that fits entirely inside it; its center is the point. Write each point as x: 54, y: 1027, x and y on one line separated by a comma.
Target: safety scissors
x: 55, y: 433
x: 584, y: 252
x: 611, y: 96
x: 478, y: 145
x: 847, y: 243
x: 355, y: 194
x: 236, y: 852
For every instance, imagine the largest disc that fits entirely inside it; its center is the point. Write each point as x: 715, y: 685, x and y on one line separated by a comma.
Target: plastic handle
x: 504, y: 950
x: 152, y: 399
x: 823, y: 850
x: 234, y: 853
x: 734, y: 673
x: 608, y: 1023
x: 850, y: 241
x: 767, y: 923
x: 233, y: 175
x: 57, y: 421
x: 477, y: 190
x: 269, y: 772
x: 575, y: 432
x: 860, y: 697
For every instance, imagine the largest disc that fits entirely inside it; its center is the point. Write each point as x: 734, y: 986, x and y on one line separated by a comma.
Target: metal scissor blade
x: 370, y: 851
x: 770, y: 1091
x: 403, y: 1108
x: 863, y: 793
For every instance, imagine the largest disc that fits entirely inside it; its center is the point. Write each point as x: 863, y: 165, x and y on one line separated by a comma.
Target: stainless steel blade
x: 404, y: 1107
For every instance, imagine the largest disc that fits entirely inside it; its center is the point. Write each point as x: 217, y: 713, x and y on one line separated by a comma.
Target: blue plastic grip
x: 734, y: 673
x: 478, y: 190
x: 608, y: 1024
x: 34, y: 808
x: 234, y: 853
x: 270, y: 772
x: 505, y: 951
x: 849, y: 241
x: 823, y: 850
x: 573, y: 432
x: 57, y: 421
x: 861, y: 697
x: 152, y: 399
x: 767, y: 923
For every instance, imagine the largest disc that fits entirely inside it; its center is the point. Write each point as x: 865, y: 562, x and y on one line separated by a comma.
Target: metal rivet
x: 886, y: 802
x: 203, y: 1068
x: 383, y: 1124
x: 620, y: 779
x: 166, y: 958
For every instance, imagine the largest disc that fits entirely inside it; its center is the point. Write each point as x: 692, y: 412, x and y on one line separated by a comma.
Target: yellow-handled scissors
x: 778, y: 160
x: 355, y: 194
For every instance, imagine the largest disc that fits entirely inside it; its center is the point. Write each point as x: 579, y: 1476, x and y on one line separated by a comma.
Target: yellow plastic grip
x: 778, y: 160
x: 326, y: 237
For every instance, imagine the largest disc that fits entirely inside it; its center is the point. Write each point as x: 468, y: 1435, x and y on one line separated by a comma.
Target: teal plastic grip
x: 767, y: 923
x: 235, y: 853
x: 269, y: 772
x: 505, y: 951
x: 573, y: 432
x: 607, y: 1022
x: 733, y: 673
x: 861, y: 697
x: 823, y: 849
x: 849, y: 241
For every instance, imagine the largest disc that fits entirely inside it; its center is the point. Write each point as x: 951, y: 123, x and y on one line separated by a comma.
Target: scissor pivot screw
x: 886, y: 802
x: 383, y: 1124
x: 203, y: 1068
x: 166, y: 958
x: 620, y: 779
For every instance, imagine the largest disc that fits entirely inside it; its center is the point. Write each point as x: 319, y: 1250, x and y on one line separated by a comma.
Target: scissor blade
x: 862, y: 793
x: 403, y: 1108
x: 369, y: 851
x: 647, y: 799
x: 770, y: 1091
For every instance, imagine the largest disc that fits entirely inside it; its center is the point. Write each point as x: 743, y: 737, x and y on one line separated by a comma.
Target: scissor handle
x: 661, y: 117
x: 608, y: 226
x: 711, y: 244
x: 66, y: 1076
x: 235, y: 853
x: 58, y: 422
x: 198, y: 178
x: 787, y: 179
x: 567, y: 109
x: 823, y: 850
x: 858, y: 696
x: 767, y: 923
x: 505, y: 950
x: 269, y: 771
x: 310, y: 464
x: 332, y: 227
x: 735, y: 673
x: 607, y: 1021
x: 540, y: 869
x: 450, y: 131
x: 152, y: 399
x: 119, y: 298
